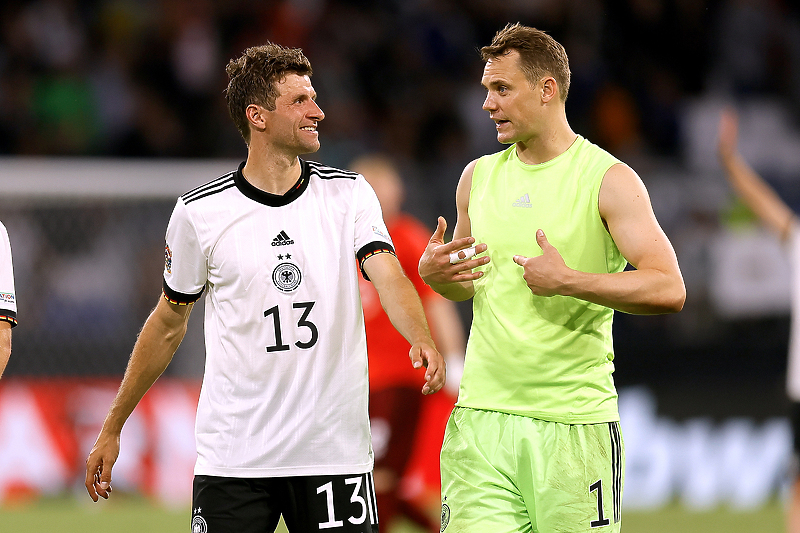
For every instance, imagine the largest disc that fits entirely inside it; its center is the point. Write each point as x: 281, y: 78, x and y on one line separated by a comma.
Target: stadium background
x: 111, y: 108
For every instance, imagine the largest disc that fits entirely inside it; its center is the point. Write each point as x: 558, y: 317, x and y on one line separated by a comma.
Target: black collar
x: 266, y: 198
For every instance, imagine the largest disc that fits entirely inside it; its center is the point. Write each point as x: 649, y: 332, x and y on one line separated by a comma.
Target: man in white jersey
x: 782, y: 221
x: 282, y: 421
x: 533, y: 443
x: 8, y: 299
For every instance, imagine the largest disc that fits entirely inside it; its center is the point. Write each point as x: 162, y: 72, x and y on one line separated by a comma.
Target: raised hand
x: 453, y: 262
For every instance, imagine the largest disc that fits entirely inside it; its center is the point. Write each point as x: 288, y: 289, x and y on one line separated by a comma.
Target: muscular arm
x: 655, y: 287
x: 454, y: 282
x: 5, y: 345
x: 751, y: 188
x: 161, y: 335
x: 402, y: 305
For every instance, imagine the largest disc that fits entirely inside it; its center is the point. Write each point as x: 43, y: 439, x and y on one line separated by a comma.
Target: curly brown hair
x: 540, y: 55
x: 253, y: 79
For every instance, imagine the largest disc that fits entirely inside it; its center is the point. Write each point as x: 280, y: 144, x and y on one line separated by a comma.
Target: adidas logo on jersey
x: 282, y: 239
x: 523, y: 201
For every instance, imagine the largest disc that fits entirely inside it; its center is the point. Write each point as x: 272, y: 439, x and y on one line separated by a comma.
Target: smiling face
x: 513, y: 103
x: 292, y: 125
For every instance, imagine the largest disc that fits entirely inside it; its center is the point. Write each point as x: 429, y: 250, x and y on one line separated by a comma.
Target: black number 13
x: 303, y: 322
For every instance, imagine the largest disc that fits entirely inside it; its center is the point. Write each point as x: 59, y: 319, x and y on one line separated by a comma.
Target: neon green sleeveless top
x: 544, y: 357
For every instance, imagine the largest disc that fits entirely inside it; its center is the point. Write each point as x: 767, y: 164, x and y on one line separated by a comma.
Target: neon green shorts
x: 505, y: 473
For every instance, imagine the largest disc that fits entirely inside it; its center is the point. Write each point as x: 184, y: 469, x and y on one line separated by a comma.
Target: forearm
x: 639, y: 292
x: 758, y: 195
x: 404, y: 309
x: 152, y: 353
x: 445, y: 323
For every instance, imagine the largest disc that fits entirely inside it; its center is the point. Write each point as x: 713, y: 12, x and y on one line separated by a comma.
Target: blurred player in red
x: 406, y: 429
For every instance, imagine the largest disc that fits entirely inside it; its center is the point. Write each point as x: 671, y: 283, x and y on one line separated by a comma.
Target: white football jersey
x: 286, y: 383
x: 8, y: 297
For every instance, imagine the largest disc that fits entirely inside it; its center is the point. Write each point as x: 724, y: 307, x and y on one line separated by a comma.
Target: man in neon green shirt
x: 534, y: 442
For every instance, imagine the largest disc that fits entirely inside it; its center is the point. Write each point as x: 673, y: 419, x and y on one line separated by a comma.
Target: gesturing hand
x: 436, y: 266
x: 546, y: 274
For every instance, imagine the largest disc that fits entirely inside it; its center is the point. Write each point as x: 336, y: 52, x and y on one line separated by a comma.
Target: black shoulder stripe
x: 207, y: 186
x: 326, y: 172
x: 368, y: 250
x: 209, y: 192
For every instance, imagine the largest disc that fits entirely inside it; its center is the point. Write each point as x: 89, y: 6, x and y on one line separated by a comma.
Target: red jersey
x: 389, y: 364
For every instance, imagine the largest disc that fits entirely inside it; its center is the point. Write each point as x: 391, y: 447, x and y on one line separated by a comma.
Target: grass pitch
x: 127, y: 514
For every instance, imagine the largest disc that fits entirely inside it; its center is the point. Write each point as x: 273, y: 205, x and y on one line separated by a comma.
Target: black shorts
x: 335, y: 504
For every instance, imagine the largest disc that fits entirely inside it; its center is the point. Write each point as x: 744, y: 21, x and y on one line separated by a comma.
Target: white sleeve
x: 371, y: 235
x: 8, y: 297
x: 185, y: 265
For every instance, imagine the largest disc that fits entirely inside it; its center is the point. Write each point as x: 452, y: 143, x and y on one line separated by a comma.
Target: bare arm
x: 750, y: 187
x: 161, y: 335
x: 656, y: 286
x: 445, y: 322
x: 448, y: 332
x: 453, y: 281
x: 5, y: 345
x: 402, y: 305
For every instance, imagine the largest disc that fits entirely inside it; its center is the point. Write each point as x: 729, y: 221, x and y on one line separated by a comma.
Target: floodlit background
x: 110, y: 109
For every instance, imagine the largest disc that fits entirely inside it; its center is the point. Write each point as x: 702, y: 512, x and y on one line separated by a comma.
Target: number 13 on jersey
x: 303, y: 309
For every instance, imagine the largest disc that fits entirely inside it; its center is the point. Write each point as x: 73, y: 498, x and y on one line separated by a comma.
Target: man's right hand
x: 442, y: 264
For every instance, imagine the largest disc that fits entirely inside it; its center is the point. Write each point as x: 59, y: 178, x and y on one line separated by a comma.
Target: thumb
x: 105, y: 474
x: 438, y: 234
x: 541, y: 239
x: 415, y: 354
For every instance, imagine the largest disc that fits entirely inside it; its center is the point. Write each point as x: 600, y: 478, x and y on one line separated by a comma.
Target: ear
x: 549, y: 89
x: 256, y: 116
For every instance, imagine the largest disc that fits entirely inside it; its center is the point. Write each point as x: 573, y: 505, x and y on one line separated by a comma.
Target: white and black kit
x: 285, y: 387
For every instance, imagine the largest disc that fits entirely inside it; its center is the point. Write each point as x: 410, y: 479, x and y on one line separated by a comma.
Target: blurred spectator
x: 779, y: 218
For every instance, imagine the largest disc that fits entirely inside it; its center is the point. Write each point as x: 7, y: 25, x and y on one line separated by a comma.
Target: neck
x: 554, y: 141
x: 270, y: 170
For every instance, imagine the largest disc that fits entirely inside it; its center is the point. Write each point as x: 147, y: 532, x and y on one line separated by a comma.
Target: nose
x: 489, y: 103
x: 316, y: 111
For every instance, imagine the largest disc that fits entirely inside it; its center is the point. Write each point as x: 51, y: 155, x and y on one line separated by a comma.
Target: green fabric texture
x: 544, y: 357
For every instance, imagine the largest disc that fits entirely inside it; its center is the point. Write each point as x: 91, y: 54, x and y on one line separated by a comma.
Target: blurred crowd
x: 145, y: 78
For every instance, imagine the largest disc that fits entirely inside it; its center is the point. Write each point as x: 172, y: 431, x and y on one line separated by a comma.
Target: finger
x: 435, y: 378
x: 520, y: 260
x: 466, y: 276
x: 103, y: 483
x: 461, y: 266
x: 91, y: 472
x: 541, y: 239
x: 438, y: 234
x: 461, y: 244
x: 461, y: 255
